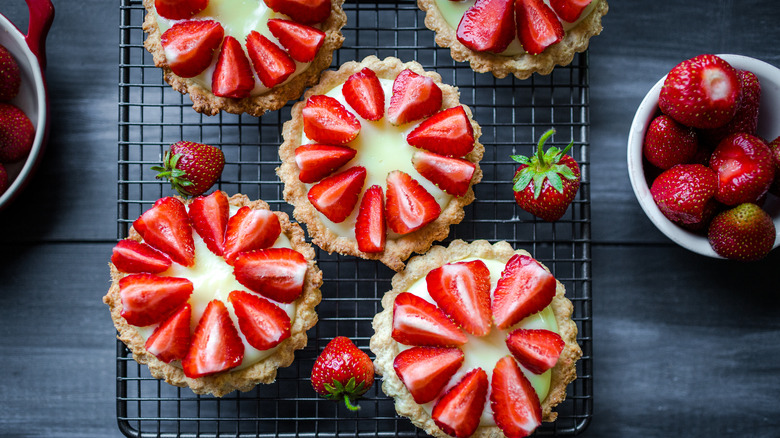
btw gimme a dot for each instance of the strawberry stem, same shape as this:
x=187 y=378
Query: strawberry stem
x=348 y=402
x=540 y=147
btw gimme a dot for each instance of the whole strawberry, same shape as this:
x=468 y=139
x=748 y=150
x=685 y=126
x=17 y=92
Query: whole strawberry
x=546 y=183
x=702 y=92
x=668 y=143
x=191 y=168
x=685 y=194
x=746 y=117
x=745 y=169
x=10 y=76
x=745 y=232
x=16 y=133
x=342 y=371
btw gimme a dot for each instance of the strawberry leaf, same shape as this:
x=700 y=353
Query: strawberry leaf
x=522 y=179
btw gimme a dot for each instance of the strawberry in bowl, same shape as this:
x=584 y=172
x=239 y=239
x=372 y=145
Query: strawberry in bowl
x=379 y=160
x=242 y=56
x=698 y=147
x=213 y=293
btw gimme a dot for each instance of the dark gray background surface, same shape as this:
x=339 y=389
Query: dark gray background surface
x=683 y=345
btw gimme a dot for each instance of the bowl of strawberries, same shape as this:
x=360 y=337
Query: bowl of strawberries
x=704 y=156
x=23 y=99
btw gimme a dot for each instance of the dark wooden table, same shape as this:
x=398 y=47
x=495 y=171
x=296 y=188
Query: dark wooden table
x=683 y=345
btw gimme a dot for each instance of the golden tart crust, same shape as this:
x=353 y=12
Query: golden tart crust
x=204 y=101
x=295 y=192
x=522 y=65
x=386 y=348
x=263 y=371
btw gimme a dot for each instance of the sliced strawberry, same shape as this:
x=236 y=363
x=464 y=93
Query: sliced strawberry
x=337 y=195
x=414 y=97
x=272 y=64
x=364 y=93
x=275 y=273
x=447 y=132
x=179 y=9
x=233 y=75
x=462 y=291
x=317 y=161
x=537 y=26
x=134 y=257
x=524 y=288
x=453 y=175
x=474 y=33
x=515 y=405
x=264 y=324
x=216 y=345
x=371 y=226
x=325 y=120
x=166 y=227
x=302 y=11
x=209 y=215
x=301 y=41
x=418 y=322
x=537 y=350
x=425 y=371
x=171 y=340
x=250 y=229
x=409 y=206
x=458 y=412
x=569 y=10
x=189 y=45
x=148 y=299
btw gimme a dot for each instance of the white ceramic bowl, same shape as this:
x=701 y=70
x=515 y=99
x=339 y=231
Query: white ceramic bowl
x=28 y=51
x=768 y=128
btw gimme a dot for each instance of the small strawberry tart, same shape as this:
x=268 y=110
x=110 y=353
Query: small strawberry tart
x=379 y=160
x=242 y=56
x=214 y=293
x=518 y=37
x=476 y=340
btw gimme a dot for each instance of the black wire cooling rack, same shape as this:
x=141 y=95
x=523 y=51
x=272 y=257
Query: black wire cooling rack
x=513 y=115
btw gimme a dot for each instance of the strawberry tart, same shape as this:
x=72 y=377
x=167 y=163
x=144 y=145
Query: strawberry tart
x=214 y=293
x=519 y=37
x=242 y=56
x=379 y=160
x=476 y=340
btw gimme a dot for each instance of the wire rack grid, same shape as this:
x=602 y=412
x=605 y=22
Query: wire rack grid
x=512 y=114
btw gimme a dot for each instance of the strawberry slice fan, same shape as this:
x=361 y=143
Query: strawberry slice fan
x=211 y=299
x=241 y=56
x=485 y=335
x=382 y=163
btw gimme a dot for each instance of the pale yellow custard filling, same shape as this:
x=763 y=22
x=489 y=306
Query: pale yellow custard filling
x=453 y=11
x=212 y=278
x=238 y=18
x=486 y=351
x=381 y=148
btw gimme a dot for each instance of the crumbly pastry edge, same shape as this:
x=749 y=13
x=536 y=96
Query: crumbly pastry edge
x=263 y=371
x=525 y=64
x=204 y=101
x=386 y=349
x=396 y=250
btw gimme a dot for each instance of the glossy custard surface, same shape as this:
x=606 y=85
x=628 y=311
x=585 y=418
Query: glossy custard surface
x=485 y=351
x=213 y=278
x=381 y=148
x=238 y=18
